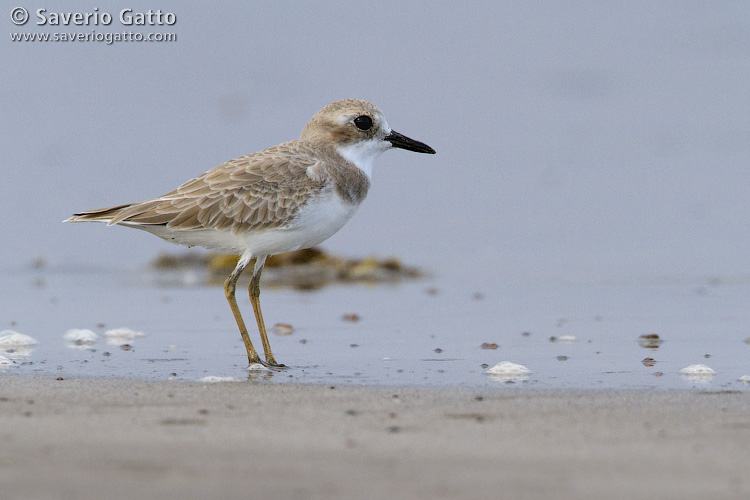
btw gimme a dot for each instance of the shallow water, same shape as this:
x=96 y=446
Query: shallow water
x=425 y=332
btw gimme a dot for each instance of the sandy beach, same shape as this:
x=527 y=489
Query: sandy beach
x=94 y=438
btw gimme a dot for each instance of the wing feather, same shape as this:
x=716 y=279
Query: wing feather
x=264 y=189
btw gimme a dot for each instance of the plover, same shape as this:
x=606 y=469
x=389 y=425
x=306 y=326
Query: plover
x=287 y=197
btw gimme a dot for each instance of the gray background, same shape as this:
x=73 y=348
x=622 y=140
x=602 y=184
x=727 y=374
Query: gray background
x=583 y=140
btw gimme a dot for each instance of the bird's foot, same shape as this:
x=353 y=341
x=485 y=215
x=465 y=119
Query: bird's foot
x=271 y=365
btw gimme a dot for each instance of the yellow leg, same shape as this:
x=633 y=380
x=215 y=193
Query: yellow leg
x=255 y=301
x=229 y=286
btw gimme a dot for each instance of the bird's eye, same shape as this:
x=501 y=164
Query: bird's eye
x=363 y=122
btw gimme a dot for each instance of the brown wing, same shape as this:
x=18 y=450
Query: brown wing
x=264 y=189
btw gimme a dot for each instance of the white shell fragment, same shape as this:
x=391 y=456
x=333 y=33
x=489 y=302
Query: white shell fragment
x=508 y=372
x=282 y=329
x=212 y=379
x=506 y=368
x=10 y=338
x=120 y=336
x=745 y=379
x=567 y=338
x=80 y=337
x=257 y=367
x=698 y=371
x=5 y=362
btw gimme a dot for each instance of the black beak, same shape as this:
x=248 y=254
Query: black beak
x=403 y=142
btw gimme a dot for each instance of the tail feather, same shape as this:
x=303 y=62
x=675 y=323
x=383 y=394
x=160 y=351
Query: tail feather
x=101 y=214
x=143 y=213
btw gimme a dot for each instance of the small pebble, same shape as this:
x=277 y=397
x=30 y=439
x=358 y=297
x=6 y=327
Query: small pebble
x=282 y=329
x=649 y=341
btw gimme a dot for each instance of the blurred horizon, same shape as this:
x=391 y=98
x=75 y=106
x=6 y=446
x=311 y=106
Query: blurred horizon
x=576 y=140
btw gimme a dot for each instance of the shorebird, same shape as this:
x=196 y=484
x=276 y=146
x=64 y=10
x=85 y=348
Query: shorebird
x=290 y=196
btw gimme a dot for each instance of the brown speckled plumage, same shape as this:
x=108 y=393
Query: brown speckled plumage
x=265 y=189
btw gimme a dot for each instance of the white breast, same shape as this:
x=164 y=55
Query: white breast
x=320 y=219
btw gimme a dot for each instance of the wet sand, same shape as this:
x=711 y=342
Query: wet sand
x=93 y=438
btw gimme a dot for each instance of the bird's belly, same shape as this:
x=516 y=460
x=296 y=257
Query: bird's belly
x=317 y=222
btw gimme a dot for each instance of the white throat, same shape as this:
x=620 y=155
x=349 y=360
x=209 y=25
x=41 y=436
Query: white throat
x=363 y=153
